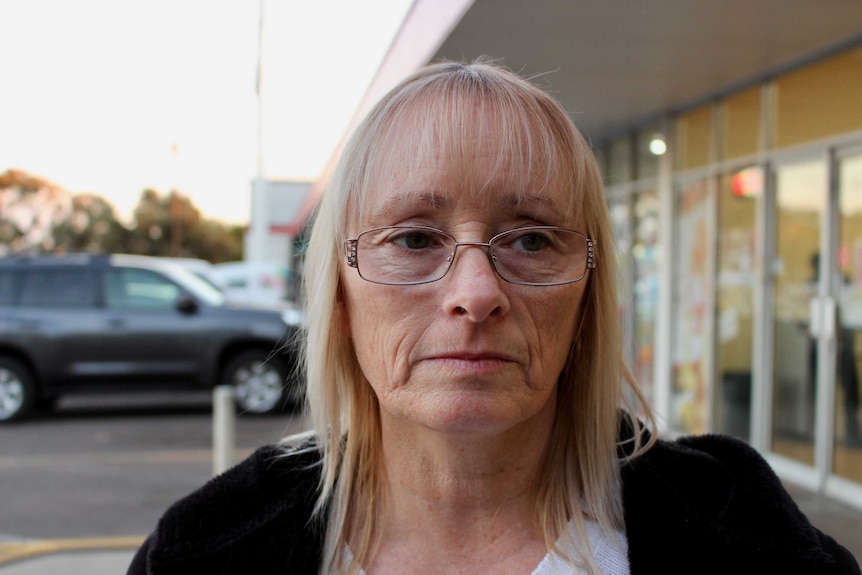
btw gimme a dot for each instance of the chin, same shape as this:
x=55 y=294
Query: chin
x=476 y=418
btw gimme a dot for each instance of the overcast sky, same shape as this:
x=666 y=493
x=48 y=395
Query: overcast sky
x=112 y=96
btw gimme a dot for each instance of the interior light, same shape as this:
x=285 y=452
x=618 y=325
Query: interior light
x=657 y=145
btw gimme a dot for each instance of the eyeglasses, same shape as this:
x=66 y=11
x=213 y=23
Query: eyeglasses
x=536 y=255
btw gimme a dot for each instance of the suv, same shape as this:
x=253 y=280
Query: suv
x=108 y=323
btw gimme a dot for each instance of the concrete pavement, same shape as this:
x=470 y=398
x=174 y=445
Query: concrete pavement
x=91 y=556
x=105 y=562
x=843 y=523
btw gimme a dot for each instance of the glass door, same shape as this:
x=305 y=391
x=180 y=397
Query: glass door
x=801 y=199
x=847 y=292
x=740 y=194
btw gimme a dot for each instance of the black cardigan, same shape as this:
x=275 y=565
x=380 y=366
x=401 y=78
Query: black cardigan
x=706 y=505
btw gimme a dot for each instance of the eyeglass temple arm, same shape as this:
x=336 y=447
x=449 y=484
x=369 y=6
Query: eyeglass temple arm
x=591 y=254
x=350 y=252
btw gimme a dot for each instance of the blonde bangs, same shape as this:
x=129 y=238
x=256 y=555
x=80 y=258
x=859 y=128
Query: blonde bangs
x=453 y=117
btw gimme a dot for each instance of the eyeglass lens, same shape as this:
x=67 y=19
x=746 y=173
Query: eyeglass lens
x=411 y=255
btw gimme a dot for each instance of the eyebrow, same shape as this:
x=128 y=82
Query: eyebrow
x=423 y=198
x=517 y=200
x=439 y=201
x=395 y=204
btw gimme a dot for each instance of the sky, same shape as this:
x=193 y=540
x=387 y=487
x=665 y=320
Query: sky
x=114 y=96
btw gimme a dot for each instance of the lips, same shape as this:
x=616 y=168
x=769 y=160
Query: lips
x=474 y=356
x=470 y=359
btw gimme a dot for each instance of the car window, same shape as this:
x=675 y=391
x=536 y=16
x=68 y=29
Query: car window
x=132 y=288
x=202 y=289
x=59 y=288
x=7 y=293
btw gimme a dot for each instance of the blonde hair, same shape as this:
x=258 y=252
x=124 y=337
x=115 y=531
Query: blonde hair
x=439 y=110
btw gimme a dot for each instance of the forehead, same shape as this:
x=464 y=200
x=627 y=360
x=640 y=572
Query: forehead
x=481 y=182
x=487 y=163
x=500 y=149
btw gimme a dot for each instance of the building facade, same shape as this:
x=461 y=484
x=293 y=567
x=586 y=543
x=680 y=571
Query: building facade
x=271 y=238
x=730 y=134
x=741 y=252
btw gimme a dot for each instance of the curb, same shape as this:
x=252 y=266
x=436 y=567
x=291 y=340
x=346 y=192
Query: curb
x=11 y=552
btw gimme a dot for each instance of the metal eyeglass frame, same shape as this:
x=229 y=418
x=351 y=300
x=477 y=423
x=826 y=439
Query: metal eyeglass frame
x=350 y=252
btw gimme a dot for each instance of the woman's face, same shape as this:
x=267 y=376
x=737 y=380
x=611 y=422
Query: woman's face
x=469 y=353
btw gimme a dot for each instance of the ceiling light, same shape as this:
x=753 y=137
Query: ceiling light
x=657 y=145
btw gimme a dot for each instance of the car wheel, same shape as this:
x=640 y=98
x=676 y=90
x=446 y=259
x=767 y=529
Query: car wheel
x=260 y=382
x=17 y=390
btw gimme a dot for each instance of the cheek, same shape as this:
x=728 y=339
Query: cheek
x=384 y=329
x=556 y=323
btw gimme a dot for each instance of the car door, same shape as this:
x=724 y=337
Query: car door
x=57 y=321
x=150 y=340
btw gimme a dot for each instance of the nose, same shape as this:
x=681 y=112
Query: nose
x=473 y=289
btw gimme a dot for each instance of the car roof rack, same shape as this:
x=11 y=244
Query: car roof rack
x=48 y=259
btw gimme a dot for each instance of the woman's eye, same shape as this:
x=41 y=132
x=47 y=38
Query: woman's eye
x=414 y=240
x=531 y=242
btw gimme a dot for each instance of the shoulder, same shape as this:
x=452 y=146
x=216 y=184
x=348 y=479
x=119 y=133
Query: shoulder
x=711 y=456
x=271 y=481
x=718 y=499
x=256 y=517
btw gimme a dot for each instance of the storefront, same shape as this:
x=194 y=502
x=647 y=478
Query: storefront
x=741 y=246
x=731 y=140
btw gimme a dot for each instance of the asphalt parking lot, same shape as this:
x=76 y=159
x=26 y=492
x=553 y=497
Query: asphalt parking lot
x=100 y=471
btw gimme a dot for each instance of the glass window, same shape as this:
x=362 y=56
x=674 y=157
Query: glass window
x=203 y=288
x=646 y=257
x=647 y=160
x=131 y=288
x=59 y=288
x=621 y=219
x=7 y=288
x=691 y=299
x=820 y=100
x=848 y=437
x=693 y=137
x=620 y=162
x=741 y=124
x=739 y=193
x=801 y=196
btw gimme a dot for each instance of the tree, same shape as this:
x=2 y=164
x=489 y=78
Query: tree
x=172 y=226
x=92 y=226
x=39 y=216
x=30 y=207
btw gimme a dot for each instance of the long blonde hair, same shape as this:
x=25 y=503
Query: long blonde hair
x=437 y=107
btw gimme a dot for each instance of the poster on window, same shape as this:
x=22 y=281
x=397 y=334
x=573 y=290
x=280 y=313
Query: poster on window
x=692 y=288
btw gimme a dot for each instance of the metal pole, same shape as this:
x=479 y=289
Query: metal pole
x=224 y=428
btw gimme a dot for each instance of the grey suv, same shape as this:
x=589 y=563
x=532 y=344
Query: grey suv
x=91 y=324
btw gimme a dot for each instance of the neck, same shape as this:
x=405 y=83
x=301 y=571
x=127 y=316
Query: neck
x=462 y=484
x=461 y=503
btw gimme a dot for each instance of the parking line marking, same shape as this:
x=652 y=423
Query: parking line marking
x=19 y=550
x=164 y=456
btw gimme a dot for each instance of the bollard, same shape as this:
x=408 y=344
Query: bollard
x=224 y=427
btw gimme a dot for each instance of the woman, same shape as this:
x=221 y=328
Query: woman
x=466 y=382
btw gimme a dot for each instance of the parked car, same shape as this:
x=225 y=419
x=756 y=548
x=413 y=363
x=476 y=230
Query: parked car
x=257 y=282
x=92 y=324
x=201 y=268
